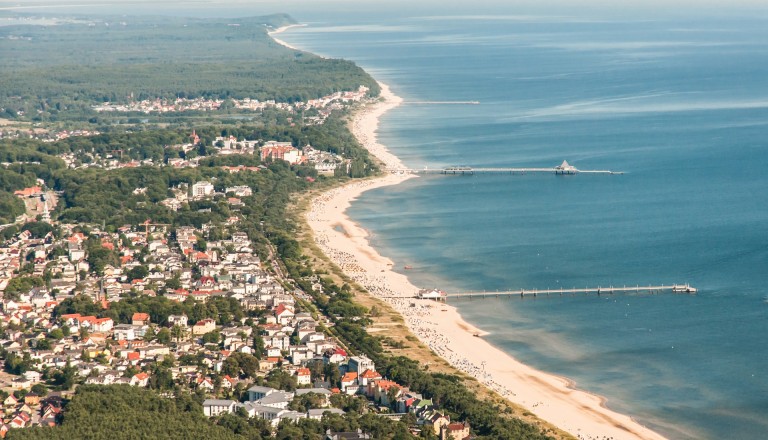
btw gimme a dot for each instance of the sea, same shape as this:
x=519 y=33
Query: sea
x=674 y=95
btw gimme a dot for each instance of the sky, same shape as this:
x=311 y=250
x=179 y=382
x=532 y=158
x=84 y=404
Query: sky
x=634 y=9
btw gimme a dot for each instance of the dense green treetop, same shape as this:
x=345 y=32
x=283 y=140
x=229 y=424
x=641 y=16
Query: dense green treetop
x=51 y=71
x=124 y=412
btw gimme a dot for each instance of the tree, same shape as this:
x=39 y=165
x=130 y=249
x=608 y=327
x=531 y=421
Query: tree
x=138 y=272
x=19 y=285
x=173 y=283
x=43 y=344
x=81 y=304
x=240 y=365
x=281 y=380
x=212 y=337
x=150 y=334
x=65 y=378
x=99 y=257
x=17 y=365
x=56 y=334
x=161 y=379
x=37 y=229
x=164 y=336
x=258 y=344
x=306 y=402
x=178 y=332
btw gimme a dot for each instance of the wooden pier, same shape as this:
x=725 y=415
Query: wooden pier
x=675 y=288
x=564 y=168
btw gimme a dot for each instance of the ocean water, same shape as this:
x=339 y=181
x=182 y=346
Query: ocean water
x=678 y=102
x=676 y=98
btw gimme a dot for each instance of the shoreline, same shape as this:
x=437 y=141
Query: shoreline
x=282 y=29
x=438 y=325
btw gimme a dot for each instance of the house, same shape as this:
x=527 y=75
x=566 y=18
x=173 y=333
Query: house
x=368 y=376
x=133 y=357
x=272 y=351
x=239 y=191
x=21 y=383
x=382 y=390
x=407 y=400
x=32 y=399
x=75 y=320
x=33 y=375
x=359 y=364
x=32 y=191
x=317 y=414
x=202 y=189
x=177 y=320
x=303 y=376
x=268 y=413
x=284 y=314
x=257 y=392
x=334 y=356
x=124 y=332
x=283 y=151
x=10 y=400
x=349 y=383
x=435 y=420
x=140 y=319
x=455 y=431
x=277 y=399
x=357 y=435
x=205 y=383
x=228 y=382
x=20 y=420
x=204 y=326
x=268 y=364
x=214 y=407
x=140 y=380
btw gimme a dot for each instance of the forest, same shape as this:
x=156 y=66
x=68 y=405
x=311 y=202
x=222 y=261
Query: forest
x=58 y=72
x=124 y=412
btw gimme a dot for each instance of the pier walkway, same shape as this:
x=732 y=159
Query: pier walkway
x=676 y=288
x=439 y=295
x=564 y=168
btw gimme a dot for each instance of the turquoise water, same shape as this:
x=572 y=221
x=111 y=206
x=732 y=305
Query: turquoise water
x=677 y=99
x=680 y=104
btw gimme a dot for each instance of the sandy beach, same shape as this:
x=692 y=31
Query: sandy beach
x=440 y=326
x=282 y=29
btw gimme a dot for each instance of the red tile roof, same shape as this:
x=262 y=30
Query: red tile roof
x=140 y=317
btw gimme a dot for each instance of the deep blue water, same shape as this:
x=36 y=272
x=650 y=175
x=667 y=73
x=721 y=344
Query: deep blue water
x=678 y=99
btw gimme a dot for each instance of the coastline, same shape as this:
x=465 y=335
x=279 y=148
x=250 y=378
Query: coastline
x=282 y=29
x=440 y=326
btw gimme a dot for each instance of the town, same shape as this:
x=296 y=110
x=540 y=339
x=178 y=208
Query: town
x=168 y=308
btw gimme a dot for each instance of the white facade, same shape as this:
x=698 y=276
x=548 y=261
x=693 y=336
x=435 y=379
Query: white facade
x=214 y=407
x=202 y=189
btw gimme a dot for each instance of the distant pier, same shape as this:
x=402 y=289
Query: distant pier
x=442 y=102
x=564 y=168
